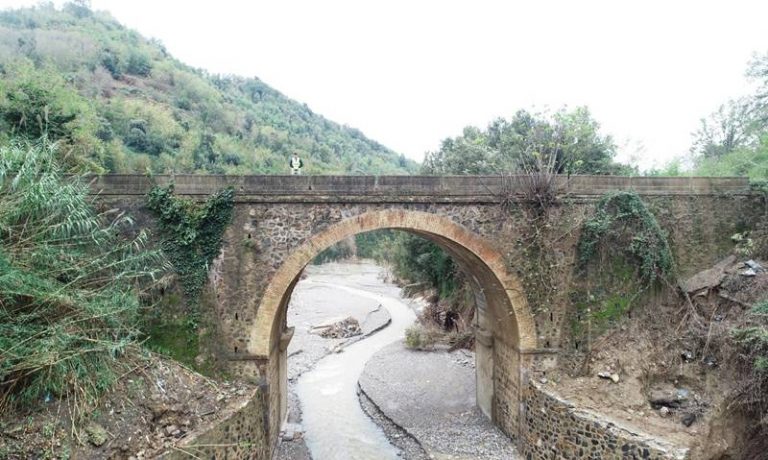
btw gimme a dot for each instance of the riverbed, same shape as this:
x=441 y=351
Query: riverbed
x=323 y=383
x=326 y=421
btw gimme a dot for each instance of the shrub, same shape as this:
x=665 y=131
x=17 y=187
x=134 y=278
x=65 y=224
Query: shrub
x=69 y=285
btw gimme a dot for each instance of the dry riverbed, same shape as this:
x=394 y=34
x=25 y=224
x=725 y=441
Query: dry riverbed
x=423 y=402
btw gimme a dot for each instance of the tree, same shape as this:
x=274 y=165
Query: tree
x=730 y=127
x=734 y=139
x=567 y=141
x=758 y=72
x=37 y=102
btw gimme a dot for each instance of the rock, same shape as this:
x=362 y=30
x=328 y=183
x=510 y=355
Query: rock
x=609 y=376
x=170 y=429
x=543 y=380
x=664 y=411
x=668 y=396
x=687 y=356
x=291 y=431
x=97 y=435
x=688 y=419
x=754 y=266
x=709 y=278
x=748 y=272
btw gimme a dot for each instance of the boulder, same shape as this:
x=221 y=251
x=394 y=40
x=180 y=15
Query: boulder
x=709 y=278
x=666 y=395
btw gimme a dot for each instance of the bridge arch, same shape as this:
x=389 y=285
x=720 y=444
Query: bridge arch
x=504 y=322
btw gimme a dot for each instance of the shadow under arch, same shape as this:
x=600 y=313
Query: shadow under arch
x=506 y=318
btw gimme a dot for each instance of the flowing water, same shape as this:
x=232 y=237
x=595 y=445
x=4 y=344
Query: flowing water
x=335 y=426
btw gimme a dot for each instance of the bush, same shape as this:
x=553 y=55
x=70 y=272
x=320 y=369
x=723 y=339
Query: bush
x=69 y=285
x=139 y=64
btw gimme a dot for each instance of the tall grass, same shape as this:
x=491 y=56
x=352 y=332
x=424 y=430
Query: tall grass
x=70 y=284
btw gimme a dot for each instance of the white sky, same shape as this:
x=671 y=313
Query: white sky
x=411 y=73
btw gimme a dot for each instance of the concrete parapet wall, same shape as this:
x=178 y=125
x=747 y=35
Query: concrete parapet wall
x=554 y=429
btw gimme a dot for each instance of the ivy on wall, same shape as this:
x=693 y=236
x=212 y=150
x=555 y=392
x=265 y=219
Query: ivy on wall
x=192 y=231
x=623 y=219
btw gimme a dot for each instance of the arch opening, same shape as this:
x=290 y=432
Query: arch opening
x=504 y=324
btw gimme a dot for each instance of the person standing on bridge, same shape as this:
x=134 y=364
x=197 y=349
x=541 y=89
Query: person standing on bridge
x=296 y=164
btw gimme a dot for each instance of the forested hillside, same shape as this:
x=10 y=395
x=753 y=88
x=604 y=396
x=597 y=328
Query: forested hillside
x=118 y=102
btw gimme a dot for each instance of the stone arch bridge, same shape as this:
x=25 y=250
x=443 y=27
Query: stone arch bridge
x=281 y=223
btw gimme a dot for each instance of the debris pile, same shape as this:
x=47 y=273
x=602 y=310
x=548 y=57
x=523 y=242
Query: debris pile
x=347 y=327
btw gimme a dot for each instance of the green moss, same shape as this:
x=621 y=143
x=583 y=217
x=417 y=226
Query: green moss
x=611 y=309
x=618 y=287
x=179 y=340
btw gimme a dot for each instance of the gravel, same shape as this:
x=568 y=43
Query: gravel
x=431 y=395
x=408 y=445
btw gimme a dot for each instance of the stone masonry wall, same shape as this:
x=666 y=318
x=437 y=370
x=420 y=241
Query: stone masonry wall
x=506 y=390
x=554 y=429
x=241 y=434
x=275 y=216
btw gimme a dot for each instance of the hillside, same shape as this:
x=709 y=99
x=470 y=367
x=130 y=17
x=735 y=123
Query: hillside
x=118 y=102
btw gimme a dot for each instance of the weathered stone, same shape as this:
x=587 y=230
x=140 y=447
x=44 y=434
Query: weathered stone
x=709 y=278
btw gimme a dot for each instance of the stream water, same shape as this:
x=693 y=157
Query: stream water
x=335 y=426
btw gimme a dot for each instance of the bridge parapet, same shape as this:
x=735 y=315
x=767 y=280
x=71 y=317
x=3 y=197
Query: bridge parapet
x=418 y=188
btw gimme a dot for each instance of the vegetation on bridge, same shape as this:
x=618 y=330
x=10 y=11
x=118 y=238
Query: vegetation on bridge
x=622 y=222
x=192 y=233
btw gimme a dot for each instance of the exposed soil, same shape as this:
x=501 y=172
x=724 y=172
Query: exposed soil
x=657 y=357
x=149 y=410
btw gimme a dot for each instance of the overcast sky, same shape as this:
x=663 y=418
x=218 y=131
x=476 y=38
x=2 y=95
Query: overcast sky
x=411 y=73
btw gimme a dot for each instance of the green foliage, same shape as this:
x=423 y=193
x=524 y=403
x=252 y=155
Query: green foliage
x=413 y=338
x=178 y=339
x=623 y=223
x=569 y=140
x=417 y=259
x=760 y=308
x=69 y=284
x=38 y=102
x=754 y=338
x=340 y=251
x=193 y=233
x=374 y=245
x=124 y=105
x=418 y=337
